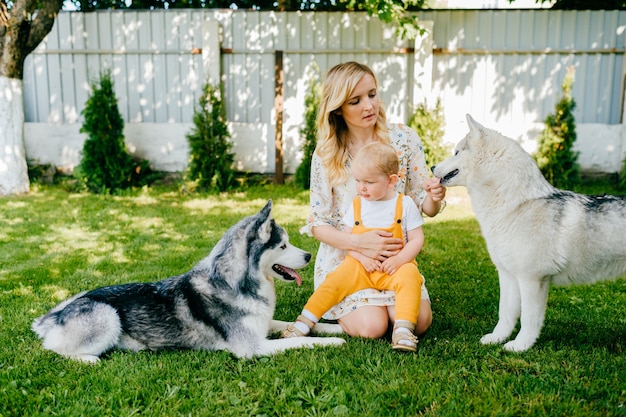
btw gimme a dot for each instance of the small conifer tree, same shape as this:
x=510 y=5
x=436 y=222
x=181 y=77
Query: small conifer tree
x=211 y=162
x=622 y=177
x=429 y=126
x=555 y=155
x=106 y=164
x=302 y=176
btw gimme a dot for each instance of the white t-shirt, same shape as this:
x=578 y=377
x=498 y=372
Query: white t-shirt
x=381 y=214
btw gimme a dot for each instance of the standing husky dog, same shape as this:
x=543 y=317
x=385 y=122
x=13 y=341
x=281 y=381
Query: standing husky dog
x=535 y=234
x=226 y=302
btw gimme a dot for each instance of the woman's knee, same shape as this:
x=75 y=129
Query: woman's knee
x=425 y=318
x=369 y=321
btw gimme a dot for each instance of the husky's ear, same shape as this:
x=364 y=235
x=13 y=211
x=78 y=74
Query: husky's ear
x=473 y=124
x=265 y=221
x=476 y=129
x=265 y=211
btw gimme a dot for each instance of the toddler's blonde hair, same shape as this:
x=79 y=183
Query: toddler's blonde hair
x=379 y=156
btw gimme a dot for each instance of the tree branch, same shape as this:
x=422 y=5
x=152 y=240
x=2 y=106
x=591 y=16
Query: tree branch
x=4 y=15
x=42 y=23
x=4 y=22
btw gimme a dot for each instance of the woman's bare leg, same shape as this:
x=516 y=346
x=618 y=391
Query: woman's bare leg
x=373 y=321
x=424 y=320
x=366 y=321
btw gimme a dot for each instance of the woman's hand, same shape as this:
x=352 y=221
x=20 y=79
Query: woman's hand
x=378 y=244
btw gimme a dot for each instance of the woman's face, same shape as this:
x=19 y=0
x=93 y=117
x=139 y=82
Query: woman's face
x=361 y=108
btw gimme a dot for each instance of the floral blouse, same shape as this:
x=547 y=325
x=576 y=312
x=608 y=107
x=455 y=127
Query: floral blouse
x=328 y=205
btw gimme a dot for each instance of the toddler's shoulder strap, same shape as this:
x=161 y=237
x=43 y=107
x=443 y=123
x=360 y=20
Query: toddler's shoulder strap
x=398 y=218
x=356 y=205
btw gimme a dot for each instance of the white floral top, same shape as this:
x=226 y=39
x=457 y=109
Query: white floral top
x=329 y=203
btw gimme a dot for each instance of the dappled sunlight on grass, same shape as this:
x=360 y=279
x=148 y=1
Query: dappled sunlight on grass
x=210 y=205
x=73 y=237
x=140 y=200
x=55 y=292
x=290 y=211
x=151 y=247
x=112 y=255
x=13 y=222
x=204 y=205
x=22 y=291
x=17 y=204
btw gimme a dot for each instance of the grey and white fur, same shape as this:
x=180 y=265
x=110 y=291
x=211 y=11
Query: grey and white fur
x=536 y=234
x=226 y=302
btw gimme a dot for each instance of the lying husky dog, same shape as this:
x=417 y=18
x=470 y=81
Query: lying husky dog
x=535 y=234
x=226 y=302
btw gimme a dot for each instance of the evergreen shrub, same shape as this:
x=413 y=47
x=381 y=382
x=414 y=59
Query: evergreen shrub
x=622 y=177
x=106 y=164
x=555 y=155
x=211 y=162
x=429 y=125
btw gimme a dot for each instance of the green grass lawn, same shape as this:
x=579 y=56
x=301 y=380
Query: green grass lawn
x=54 y=244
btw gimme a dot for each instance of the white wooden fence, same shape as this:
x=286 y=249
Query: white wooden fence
x=503 y=67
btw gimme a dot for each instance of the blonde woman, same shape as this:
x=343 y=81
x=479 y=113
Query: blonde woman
x=351 y=116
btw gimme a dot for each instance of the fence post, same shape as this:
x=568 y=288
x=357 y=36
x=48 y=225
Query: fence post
x=278 y=108
x=623 y=114
x=211 y=54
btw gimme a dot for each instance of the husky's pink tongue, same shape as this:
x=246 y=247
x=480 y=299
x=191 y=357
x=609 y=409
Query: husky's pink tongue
x=288 y=273
x=294 y=274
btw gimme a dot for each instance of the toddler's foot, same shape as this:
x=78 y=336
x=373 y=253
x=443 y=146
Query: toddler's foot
x=404 y=340
x=300 y=328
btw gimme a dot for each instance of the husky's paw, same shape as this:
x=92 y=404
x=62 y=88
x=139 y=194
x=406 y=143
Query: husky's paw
x=517 y=346
x=88 y=359
x=328 y=341
x=492 y=339
x=326 y=328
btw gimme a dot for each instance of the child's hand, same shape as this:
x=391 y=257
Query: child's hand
x=391 y=265
x=368 y=263
x=435 y=190
x=371 y=265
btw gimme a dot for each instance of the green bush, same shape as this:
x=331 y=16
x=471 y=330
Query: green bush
x=622 y=177
x=211 y=162
x=429 y=126
x=302 y=176
x=106 y=164
x=555 y=155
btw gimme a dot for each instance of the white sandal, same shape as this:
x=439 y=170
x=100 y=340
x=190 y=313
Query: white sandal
x=404 y=340
x=292 y=331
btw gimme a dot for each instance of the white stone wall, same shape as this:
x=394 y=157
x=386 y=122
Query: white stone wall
x=602 y=147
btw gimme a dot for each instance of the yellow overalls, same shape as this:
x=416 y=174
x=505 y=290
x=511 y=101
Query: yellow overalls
x=350 y=277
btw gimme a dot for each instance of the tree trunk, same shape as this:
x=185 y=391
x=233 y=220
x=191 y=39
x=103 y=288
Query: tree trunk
x=22 y=28
x=13 y=168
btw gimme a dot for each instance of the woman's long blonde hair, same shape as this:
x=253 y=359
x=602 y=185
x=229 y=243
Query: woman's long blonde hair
x=332 y=131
